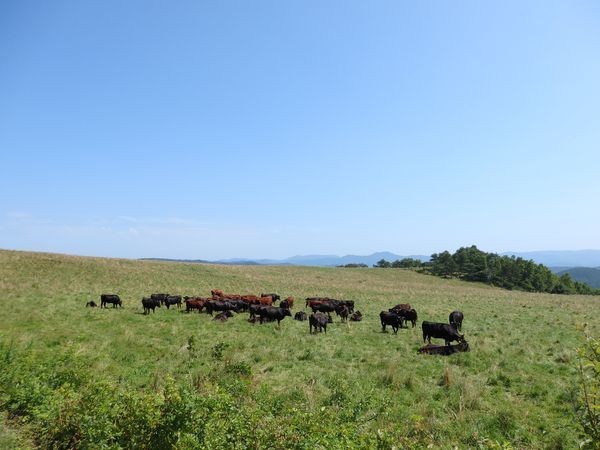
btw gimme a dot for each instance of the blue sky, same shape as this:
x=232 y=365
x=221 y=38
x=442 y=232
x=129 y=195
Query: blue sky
x=266 y=129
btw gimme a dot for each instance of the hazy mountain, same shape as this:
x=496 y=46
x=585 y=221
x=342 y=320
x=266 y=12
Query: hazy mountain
x=327 y=260
x=562 y=258
x=587 y=275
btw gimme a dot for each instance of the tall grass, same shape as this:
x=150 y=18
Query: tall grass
x=75 y=376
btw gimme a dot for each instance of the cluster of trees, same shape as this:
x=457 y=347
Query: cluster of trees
x=405 y=263
x=509 y=272
x=353 y=265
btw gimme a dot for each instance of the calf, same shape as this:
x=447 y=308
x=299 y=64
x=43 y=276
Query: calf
x=110 y=298
x=392 y=319
x=443 y=331
x=456 y=318
x=150 y=304
x=301 y=316
x=91 y=304
x=272 y=313
x=318 y=322
x=223 y=316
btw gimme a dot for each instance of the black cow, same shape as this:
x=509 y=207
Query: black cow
x=223 y=316
x=447 y=332
x=343 y=312
x=392 y=319
x=456 y=318
x=271 y=313
x=110 y=298
x=150 y=304
x=318 y=321
x=254 y=311
x=431 y=349
x=160 y=297
x=409 y=315
x=356 y=316
x=91 y=304
x=285 y=304
x=275 y=297
x=300 y=315
x=217 y=305
x=326 y=307
x=172 y=300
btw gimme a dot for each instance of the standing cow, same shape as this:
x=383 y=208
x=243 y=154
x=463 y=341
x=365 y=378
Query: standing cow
x=456 y=318
x=443 y=331
x=110 y=298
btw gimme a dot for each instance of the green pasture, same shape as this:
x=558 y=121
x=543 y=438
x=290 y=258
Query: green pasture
x=517 y=387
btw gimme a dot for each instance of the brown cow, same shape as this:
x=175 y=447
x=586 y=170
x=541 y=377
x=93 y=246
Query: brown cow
x=216 y=293
x=195 y=303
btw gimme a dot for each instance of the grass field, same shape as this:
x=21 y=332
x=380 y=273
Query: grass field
x=353 y=387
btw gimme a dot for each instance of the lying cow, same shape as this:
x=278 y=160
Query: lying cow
x=444 y=331
x=356 y=316
x=300 y=315
x=91 y=304
x=223 y=316
x=391 y=318
x=318 y=322
x=110 y=298
x=456 y=318
x=431 y=349
x=150 y=304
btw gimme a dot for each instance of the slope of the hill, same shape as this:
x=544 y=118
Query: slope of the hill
x=517 y=385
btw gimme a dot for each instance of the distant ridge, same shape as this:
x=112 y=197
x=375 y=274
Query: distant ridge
x=587 y=275
x=305 y=260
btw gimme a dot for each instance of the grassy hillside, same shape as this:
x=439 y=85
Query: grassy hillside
x=279 y=386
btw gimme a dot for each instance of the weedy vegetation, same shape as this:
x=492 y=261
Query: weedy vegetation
x=77 y=377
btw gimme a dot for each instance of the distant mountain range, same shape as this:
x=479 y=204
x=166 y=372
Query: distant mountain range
x=307 y=260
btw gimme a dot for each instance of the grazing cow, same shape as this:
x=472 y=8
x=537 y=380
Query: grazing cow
x=356 y=316
x=271 y=313
x=447 y=332
x=318 y=321
x=172 y=300
x=150 y=304
x=300 y=315
x=347 y=303
x=392 y=319
x=456 y=318
x=431 y=349
x=159 y=297
x=274 y=296
x=91 y=304
x=110 y=298
x=342 y=311
x=195 y=303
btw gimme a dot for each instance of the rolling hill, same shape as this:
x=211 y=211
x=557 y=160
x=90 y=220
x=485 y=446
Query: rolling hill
x=120 y=379
x=588 y=275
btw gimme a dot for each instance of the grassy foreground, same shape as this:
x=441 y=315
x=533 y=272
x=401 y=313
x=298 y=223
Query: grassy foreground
x=72 y=376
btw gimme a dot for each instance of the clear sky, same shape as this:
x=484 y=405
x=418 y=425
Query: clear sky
x=265 y=129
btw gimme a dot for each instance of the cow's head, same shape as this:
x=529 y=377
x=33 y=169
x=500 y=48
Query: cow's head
x=286 y=312
x=461 y=338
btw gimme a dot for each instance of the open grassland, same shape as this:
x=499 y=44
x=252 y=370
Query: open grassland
x=283 y=388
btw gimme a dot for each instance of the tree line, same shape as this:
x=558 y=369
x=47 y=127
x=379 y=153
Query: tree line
x=509 y=272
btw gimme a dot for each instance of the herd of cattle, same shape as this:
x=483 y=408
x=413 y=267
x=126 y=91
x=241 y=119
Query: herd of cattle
x=262 y=309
